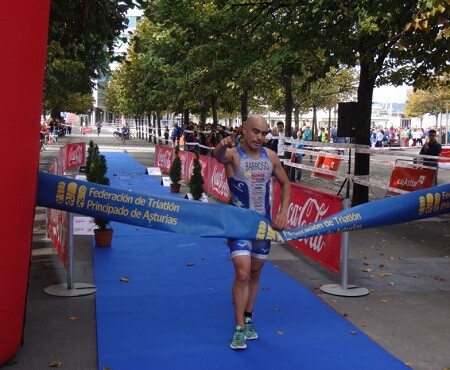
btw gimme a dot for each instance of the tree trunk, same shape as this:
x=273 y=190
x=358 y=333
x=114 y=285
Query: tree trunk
x=203 y=113
x=186 y=116
x=362 y=134
x=214 y=110
x=288 y=104
x=244 y=105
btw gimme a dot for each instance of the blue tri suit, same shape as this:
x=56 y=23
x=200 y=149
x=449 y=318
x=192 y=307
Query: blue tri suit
x=250 y=188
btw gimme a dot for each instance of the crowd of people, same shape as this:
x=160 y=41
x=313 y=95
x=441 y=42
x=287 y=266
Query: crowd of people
x=51 y=129
x=404 y=137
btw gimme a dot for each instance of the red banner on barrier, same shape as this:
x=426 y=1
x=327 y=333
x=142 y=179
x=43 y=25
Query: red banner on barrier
x=203 y=162
x=75 y=155
x=327 y=163
x=308 y=206
x=70 y=156
x=163 y=158
x=218 y=181
x=411 y=178
x=445 y=155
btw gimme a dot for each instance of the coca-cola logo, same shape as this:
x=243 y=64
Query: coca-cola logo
x=202 y=164
x=164 y=159
x=301 y=215
x=75 y=156
x=219 y=181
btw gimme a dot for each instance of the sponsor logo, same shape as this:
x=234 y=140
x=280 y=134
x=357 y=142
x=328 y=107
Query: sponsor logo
x=219 y=182
x=310 y=212
x=71 y=194
x=412 y=183
x=163 y=159
x=266 y=232
x=429 y=203
x=75 y=157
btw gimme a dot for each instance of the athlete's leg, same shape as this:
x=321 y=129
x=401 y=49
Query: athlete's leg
x=240 y=288
x=259 y=253
x=253 y=284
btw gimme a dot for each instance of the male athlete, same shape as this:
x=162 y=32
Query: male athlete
x=249 y=169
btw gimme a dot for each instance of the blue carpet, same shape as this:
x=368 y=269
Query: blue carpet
x=175 y=312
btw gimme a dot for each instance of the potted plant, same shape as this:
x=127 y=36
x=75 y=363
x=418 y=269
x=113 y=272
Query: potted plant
x=196 y=182
x=175 y=172
x=96 y=169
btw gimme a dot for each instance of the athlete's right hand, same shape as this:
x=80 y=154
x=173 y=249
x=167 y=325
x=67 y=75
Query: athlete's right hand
x=228 y=141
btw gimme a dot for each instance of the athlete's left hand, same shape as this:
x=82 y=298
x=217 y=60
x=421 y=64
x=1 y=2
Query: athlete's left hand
x=279 y=222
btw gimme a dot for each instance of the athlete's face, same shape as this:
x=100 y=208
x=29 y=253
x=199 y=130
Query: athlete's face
x=255 y=132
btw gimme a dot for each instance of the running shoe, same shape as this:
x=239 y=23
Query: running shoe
x=250 y=332
x=238 y=341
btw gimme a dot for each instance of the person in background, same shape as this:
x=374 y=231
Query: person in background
x=249 y=168
x=431 y=147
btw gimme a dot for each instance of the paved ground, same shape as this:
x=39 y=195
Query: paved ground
x=405 y=267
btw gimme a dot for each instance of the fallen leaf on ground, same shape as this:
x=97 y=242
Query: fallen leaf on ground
x=384 y=274
x=384 y=300
x=280 y=332
x=353 y=332
x=124 y=279
x=367 y=270
x=190 y=264
x=438 y=278
x=54 y=364
x=73 y=318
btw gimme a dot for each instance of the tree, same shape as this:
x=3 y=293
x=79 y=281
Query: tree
x=82 y=36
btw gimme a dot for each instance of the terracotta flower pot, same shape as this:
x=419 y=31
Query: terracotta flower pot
x=103 y=238
x=175 y=188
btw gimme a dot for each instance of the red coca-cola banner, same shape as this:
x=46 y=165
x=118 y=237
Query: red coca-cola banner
x=411 y=178
x=308 y=206
x=204 y=162
x=327 y=163
x=75 y=154
x=218 y=181
x=163 y=158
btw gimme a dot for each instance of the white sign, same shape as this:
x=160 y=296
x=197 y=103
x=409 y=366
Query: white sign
x=154 y=171
x=83 y=225
x=166 y=181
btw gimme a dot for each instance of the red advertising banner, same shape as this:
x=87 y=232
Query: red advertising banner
x=218 y=181
x=204 y=161
x=70 y=156
x=75 y=155
x=411 y=178
x=445 y=155
x=327 y=163
x=163 y=158
x=308 y=206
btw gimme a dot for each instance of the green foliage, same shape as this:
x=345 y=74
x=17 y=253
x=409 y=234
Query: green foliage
x=196 y=182
x=96 y=169
x=175 y=168
x=81 y=39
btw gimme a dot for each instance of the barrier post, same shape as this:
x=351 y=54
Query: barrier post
x=344 y=289
x=70 y=289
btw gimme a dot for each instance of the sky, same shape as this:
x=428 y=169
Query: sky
x=390 y=94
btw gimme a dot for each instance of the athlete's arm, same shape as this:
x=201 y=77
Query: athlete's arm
x=221 y=152
x=280 y=220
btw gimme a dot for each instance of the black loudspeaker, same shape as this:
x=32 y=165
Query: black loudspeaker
x=346 y=125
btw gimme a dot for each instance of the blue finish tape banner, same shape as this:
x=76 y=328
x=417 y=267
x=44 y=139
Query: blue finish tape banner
x=218 y=220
